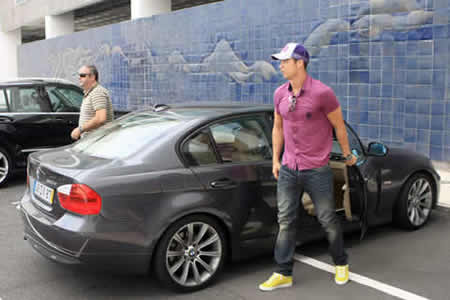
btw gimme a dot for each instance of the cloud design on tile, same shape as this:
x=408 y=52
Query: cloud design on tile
x=372 y=21
x=323 y=34
x=372 y=25
x=225 y=61
x=377 y=7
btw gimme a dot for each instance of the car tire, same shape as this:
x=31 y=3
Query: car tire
x=413 y=208
x=6 y=166
x=187 y=262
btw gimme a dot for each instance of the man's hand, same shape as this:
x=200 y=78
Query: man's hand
x=352 y=161
x=276 y=169
x=75 y=135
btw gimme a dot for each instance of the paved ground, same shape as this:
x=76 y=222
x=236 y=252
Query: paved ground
x=417 y=262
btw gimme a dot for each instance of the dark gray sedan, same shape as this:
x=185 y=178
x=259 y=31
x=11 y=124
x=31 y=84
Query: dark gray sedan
x=176 y=191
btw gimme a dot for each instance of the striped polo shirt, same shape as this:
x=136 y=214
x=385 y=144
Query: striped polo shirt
x=95 y=99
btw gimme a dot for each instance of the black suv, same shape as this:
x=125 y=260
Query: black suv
x=35 y=114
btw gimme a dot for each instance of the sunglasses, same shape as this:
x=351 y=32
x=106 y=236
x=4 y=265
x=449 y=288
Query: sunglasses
x=82 y=75
x=292 y=103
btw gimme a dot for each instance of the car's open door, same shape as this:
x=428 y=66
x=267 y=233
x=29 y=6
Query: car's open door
x=357 y=181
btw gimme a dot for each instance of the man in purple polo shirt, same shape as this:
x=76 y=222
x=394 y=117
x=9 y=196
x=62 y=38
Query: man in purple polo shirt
x=306 y=111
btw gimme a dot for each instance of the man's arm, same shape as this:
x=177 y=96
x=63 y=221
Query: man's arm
x=98 y=120
x=337 y=121
x=277 y=143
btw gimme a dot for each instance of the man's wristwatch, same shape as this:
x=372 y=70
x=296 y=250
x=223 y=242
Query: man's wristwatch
x=80 y=128
x=348 y=157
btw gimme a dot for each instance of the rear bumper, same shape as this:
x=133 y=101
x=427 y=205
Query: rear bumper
x=74 y=239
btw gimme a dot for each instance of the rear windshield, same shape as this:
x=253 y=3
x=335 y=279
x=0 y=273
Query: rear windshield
x=126 y=135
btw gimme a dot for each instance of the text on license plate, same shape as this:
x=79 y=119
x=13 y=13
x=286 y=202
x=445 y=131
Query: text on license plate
x=43 y=192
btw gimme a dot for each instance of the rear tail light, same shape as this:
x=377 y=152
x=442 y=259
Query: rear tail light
x=80 y=199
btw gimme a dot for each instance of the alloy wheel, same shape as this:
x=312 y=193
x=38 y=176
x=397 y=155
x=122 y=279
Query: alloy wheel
x=420 y=198
x=4 y=167
x=194 y=254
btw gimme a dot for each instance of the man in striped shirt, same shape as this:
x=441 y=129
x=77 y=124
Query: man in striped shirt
x=96 y=108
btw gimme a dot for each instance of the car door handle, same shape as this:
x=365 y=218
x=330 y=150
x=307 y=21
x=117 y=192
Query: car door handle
x=222 y=183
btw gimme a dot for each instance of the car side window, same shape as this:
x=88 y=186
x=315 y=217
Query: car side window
x=3 y=104
x=198 y=150
x=75 y=97
x=60 y=101
x=353 y=142
x=26 y=100
x=242 y=140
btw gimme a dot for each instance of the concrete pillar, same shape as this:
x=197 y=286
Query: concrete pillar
x=8 y=53
x=59 y=25
x=147 y=8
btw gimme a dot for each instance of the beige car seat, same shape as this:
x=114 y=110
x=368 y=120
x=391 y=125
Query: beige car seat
x=246 y=143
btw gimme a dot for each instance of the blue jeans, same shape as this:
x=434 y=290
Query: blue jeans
x=318 y=183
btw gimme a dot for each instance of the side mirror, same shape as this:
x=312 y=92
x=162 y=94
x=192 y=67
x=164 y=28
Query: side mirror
x=377 y=149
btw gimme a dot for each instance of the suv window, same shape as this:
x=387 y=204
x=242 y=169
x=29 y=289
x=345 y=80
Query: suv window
x=3 y=105
x=242 y=140
x=64 y=99
x=74 y=96
x=26 y=99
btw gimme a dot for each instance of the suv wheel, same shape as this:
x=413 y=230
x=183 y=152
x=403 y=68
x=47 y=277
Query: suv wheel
x=5 y=166
x=191 y=253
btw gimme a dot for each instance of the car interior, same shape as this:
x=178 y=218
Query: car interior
x=341 y=191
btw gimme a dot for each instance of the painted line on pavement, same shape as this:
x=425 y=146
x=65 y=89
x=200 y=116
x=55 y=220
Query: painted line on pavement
x=385 y=288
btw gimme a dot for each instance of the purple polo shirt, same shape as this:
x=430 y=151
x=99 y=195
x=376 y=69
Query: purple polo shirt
x=308 y=134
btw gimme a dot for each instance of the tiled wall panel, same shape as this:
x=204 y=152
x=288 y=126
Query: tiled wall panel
x=387 y=61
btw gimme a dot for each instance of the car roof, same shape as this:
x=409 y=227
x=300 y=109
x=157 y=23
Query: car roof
x=34 y=80
x=204 y=111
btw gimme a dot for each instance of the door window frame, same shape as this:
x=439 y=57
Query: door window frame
x=260 y=117
x=5 y=96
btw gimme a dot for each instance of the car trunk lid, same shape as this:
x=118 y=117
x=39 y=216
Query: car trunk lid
x=48 y=170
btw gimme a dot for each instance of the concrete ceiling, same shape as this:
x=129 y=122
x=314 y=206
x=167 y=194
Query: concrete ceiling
x=100 y=14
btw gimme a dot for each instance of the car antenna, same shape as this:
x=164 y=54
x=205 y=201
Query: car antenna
x=160 y=107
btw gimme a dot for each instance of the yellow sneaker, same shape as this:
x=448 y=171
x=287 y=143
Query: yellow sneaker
x=341 y=275
x=276 y=281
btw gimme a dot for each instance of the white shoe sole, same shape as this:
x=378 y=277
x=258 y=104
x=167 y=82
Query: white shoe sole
x=265 y=289
x=340 y=282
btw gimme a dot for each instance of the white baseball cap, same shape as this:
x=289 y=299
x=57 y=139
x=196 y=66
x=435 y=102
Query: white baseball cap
x=292 y=50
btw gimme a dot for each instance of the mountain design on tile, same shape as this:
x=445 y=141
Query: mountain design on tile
x=223 y=60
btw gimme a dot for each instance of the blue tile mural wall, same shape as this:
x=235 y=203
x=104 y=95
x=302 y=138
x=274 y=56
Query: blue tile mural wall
x=387 y=60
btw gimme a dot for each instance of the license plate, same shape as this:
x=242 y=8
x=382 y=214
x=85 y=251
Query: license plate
x=43 y=192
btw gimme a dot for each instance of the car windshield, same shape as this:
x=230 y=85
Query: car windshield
x=126 y=135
